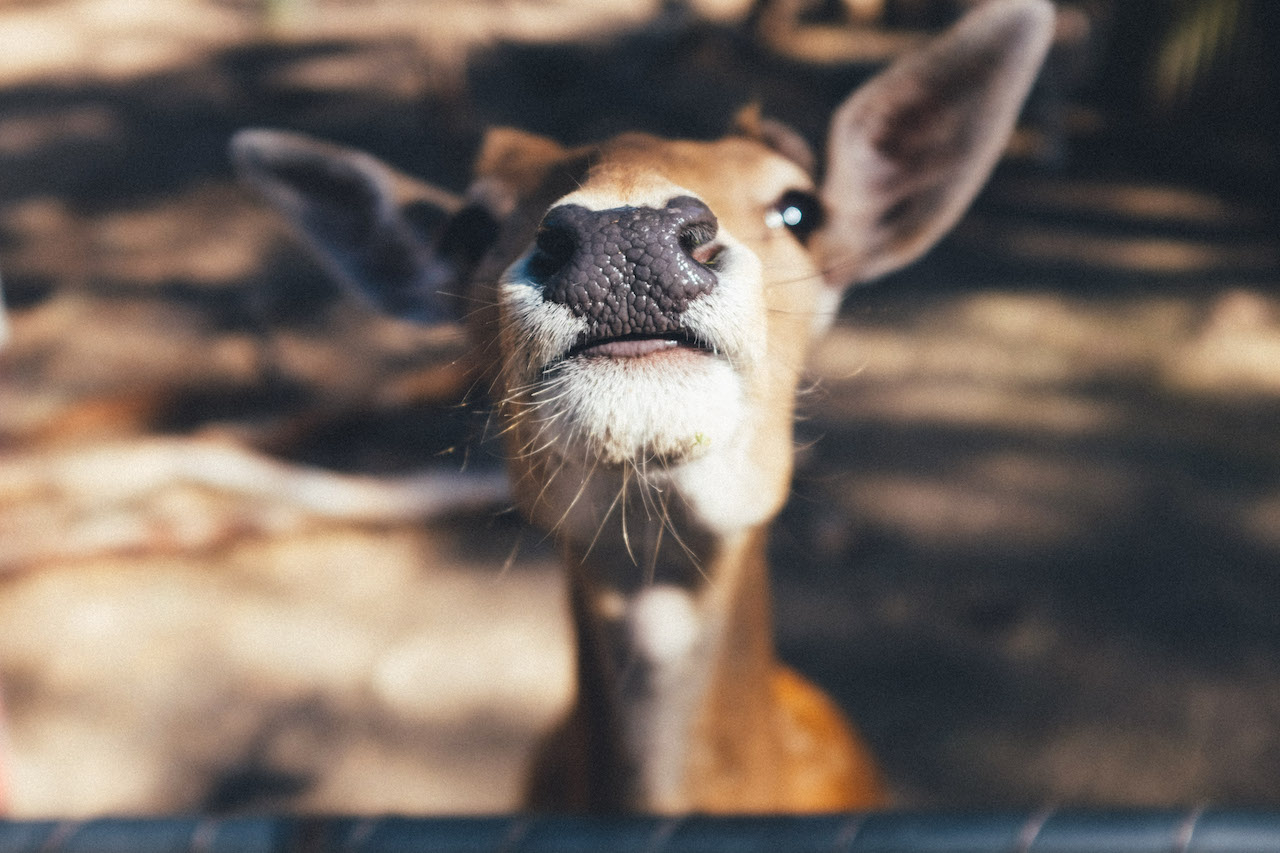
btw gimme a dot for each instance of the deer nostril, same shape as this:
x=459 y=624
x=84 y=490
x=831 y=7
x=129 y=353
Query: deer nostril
x=695 y=234
x=554 y=246
x=695 y=238
x=695 y=229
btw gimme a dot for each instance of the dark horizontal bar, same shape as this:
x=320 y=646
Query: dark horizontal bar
x=1199 y=831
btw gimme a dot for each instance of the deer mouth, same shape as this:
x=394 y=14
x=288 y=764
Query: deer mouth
x=637 y=345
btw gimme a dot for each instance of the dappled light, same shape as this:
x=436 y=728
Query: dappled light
x=1147 y=203
x=1035 y=530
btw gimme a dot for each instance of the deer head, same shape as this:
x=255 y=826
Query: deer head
x=641 y=310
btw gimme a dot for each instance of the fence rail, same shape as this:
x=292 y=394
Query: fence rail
x=1198 y=831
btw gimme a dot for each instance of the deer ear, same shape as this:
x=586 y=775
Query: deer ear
x=376 y=230
x=4 y=320
x=908 y=151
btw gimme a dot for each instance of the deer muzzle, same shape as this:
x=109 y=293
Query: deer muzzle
x=629 y=272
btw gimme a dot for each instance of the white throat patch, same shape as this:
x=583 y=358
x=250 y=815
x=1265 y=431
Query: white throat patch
x=665 y=668
x=663 y=625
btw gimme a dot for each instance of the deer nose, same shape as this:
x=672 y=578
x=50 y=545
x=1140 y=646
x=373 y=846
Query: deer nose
x=626 y=270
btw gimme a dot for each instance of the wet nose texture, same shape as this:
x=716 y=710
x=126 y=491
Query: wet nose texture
x=628 y=270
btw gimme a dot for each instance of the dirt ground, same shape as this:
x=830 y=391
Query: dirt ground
x=1036 y=526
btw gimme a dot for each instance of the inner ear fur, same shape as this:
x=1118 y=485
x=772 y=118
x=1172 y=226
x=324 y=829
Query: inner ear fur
x=908 y=151
x=373 y=227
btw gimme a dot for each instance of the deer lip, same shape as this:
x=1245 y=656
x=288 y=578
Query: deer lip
x=634 y=346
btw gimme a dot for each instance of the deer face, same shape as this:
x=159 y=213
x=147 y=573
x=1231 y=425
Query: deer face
x=645 y=305
x=657 y=315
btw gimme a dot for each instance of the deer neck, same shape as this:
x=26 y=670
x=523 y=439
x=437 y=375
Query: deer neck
x=674 y=639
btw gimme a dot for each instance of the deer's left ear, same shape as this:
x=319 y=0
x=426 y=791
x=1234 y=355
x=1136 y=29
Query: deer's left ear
x=376 y=230
x=908 y=151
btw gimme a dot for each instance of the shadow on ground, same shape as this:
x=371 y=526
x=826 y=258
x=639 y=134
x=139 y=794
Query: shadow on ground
x=1032 y=547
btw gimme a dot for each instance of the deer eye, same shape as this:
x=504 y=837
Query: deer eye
x=799 y=211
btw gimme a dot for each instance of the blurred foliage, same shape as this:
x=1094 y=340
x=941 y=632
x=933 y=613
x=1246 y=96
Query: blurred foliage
x=1192 y=86
x=1210 y=42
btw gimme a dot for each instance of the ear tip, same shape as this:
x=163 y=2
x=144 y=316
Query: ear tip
x=1030 y=19
x=257 y=138
x=254 y=149
x=1024 y=27
x=247 y=147
x=1040 y=15
x=249 y=138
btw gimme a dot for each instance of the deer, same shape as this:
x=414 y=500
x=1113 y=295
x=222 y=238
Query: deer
x=640 y=311
x=4 y=740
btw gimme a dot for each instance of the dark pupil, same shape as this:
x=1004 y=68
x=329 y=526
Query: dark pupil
x=801 y=213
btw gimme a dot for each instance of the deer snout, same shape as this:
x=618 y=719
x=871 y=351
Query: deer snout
x=629 y=272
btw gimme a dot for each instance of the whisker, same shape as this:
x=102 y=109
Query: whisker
x=510 y=561
x=603 y=521
x=622 y=496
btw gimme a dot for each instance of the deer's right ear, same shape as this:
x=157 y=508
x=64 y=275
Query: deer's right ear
x=908 y=151
x=377 y=231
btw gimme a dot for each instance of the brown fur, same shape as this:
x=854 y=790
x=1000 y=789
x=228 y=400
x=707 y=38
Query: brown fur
x=768 y=741
x=681 y=704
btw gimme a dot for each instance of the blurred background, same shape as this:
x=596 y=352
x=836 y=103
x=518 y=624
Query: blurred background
x=1034 y=540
